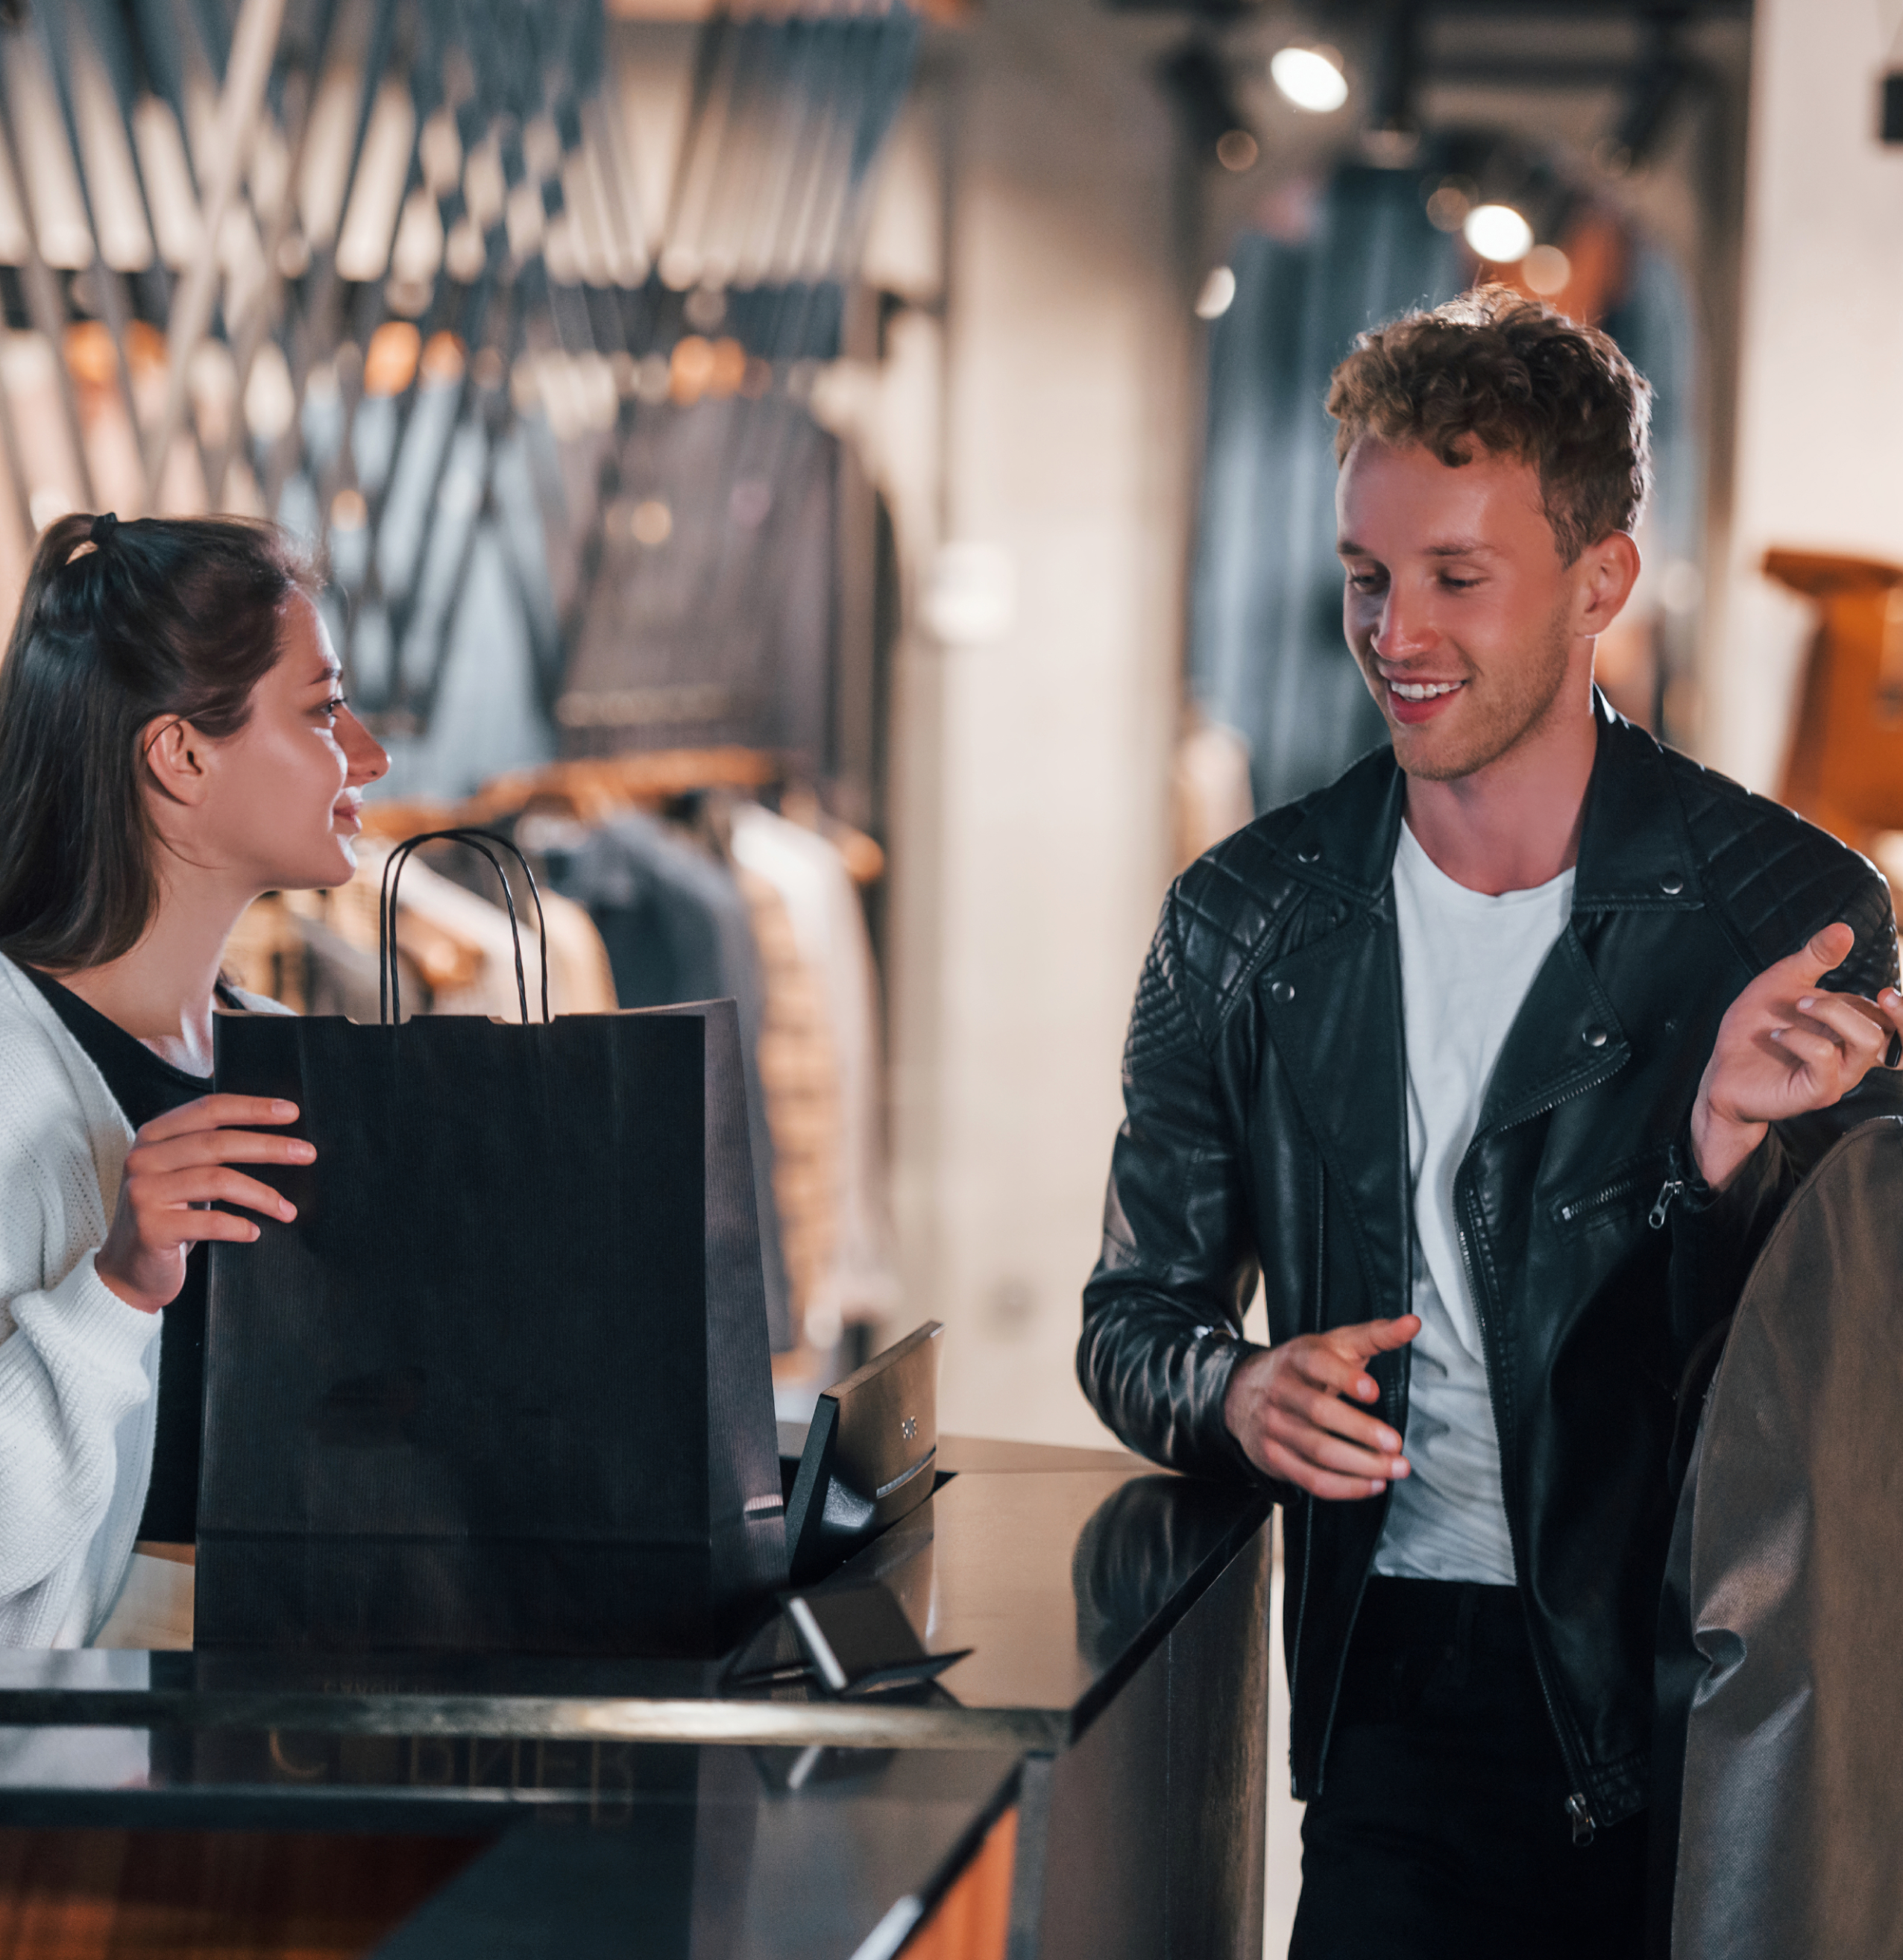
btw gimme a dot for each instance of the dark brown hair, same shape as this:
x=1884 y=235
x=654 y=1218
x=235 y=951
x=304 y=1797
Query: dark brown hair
x=119 y=624
x=1493 y=369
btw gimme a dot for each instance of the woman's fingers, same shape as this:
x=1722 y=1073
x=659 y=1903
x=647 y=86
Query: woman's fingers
x=208 y=1147
x=176 y=1192
x=215 y=1113
x=187 y=1227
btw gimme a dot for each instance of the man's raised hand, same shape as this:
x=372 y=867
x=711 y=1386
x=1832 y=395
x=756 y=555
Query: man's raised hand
x=1292 y=1409
x=1786 y=1047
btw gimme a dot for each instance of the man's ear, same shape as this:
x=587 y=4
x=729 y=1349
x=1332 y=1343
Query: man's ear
x=177 y=757
x=1609 y=569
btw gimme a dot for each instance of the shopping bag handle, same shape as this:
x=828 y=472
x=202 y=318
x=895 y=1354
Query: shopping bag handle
x=388 y=983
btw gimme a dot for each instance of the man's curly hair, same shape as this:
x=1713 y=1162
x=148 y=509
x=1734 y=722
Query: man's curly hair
x=1495 y=370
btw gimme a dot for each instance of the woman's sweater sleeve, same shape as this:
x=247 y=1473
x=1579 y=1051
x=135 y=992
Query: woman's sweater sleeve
x=74 y=1364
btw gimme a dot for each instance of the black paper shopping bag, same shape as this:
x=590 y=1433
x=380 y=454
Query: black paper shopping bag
x=503 y=1385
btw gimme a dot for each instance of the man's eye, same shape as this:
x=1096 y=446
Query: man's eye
x=1366 y=581
x=1460 y=584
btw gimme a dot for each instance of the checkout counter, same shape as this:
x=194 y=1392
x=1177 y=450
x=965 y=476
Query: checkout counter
x=1090 y=1779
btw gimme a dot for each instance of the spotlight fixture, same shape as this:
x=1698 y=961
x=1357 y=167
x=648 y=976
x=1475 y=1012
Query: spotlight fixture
x=1497 y=234
x=1309 y=78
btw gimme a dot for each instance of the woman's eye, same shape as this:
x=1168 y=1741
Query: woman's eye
x=334 y=706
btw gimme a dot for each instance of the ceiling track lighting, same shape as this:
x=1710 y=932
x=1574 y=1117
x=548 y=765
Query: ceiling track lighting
x=1309 y=77
x=1497 y=234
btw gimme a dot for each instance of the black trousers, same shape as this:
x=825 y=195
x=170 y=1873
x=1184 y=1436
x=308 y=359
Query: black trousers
x=1440 y=1832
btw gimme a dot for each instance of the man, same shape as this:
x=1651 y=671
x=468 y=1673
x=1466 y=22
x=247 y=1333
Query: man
x=1497 y=1058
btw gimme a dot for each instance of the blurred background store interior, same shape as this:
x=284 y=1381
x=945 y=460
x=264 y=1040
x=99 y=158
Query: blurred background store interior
x=847 y=486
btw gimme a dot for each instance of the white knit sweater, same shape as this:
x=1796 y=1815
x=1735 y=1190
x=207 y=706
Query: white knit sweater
x=78 y=1366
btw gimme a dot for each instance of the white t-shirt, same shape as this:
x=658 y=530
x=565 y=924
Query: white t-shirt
x=1466 y=963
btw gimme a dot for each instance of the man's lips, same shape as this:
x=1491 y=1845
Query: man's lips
x=1416 y=699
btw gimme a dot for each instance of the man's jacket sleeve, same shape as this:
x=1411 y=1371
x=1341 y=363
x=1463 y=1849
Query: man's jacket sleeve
x=1163 y=1311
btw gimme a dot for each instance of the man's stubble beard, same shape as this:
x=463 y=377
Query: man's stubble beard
x=1520 y=706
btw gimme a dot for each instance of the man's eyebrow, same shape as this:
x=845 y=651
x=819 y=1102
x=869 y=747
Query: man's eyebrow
x=1453 y=548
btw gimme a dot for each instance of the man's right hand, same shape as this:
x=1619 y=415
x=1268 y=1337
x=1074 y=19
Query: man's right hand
x=1292 y=1409
x=178 y=1166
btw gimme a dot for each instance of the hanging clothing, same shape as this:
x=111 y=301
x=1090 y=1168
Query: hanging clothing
x=1266 y=654
x=677 y=928
x=858 y=1279
x=799 y=1081
x=456 y=941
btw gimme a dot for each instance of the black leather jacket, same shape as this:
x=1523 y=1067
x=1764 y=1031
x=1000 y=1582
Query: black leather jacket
x=1265 y=1091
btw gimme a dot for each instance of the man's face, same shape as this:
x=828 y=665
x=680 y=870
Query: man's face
x=1457 y=608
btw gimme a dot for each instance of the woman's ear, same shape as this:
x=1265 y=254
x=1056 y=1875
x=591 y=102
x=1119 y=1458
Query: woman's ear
x=177 y=757
x=1611 y=569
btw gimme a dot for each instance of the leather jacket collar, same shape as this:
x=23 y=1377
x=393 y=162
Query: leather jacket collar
x=1634 y=852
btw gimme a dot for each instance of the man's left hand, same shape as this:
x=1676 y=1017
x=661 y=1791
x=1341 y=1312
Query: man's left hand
x=1784 y=1048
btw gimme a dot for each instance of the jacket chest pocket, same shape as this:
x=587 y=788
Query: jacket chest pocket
x=1616 y=1199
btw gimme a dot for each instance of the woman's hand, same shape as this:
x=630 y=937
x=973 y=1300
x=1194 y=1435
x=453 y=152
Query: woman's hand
x=178 y=1166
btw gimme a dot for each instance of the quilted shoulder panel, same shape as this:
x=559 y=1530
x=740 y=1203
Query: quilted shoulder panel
x=1160 y=1022
x=1778 y=878
x=1236 y=908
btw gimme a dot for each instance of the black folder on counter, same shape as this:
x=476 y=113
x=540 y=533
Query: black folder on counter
x=503 y=1385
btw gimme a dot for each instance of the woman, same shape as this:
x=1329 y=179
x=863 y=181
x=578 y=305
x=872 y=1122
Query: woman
x=173 y=743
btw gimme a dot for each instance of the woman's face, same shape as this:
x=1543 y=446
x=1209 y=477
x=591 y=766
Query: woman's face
x=281 y=796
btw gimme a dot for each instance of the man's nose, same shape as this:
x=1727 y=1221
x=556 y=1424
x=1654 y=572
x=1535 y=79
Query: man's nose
x=1405 y=628
x=367 y=757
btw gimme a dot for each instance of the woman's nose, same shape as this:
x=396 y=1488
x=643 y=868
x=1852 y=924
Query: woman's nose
x=367 y=757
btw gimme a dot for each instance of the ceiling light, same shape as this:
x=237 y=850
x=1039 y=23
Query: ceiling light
x=1310 y=78
x=1498 y=233
x=1546 y=271
x=1219 y=291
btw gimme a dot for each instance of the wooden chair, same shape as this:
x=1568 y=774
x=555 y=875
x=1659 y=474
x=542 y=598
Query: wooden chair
x=1845 y=767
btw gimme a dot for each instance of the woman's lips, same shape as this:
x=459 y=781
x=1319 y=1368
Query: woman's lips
x=347 y=813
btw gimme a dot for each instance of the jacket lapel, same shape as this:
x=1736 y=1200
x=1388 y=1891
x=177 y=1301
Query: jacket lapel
x=1332 y=1009
x=1633 y=855
x=1564 y=1040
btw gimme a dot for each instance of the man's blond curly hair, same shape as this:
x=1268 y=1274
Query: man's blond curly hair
x=1495 y=371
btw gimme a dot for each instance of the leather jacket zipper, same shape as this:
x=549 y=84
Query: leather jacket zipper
x=1308 y=1523
x=1678 y=1181
x=1579 y=1208
x=1578 y=1811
